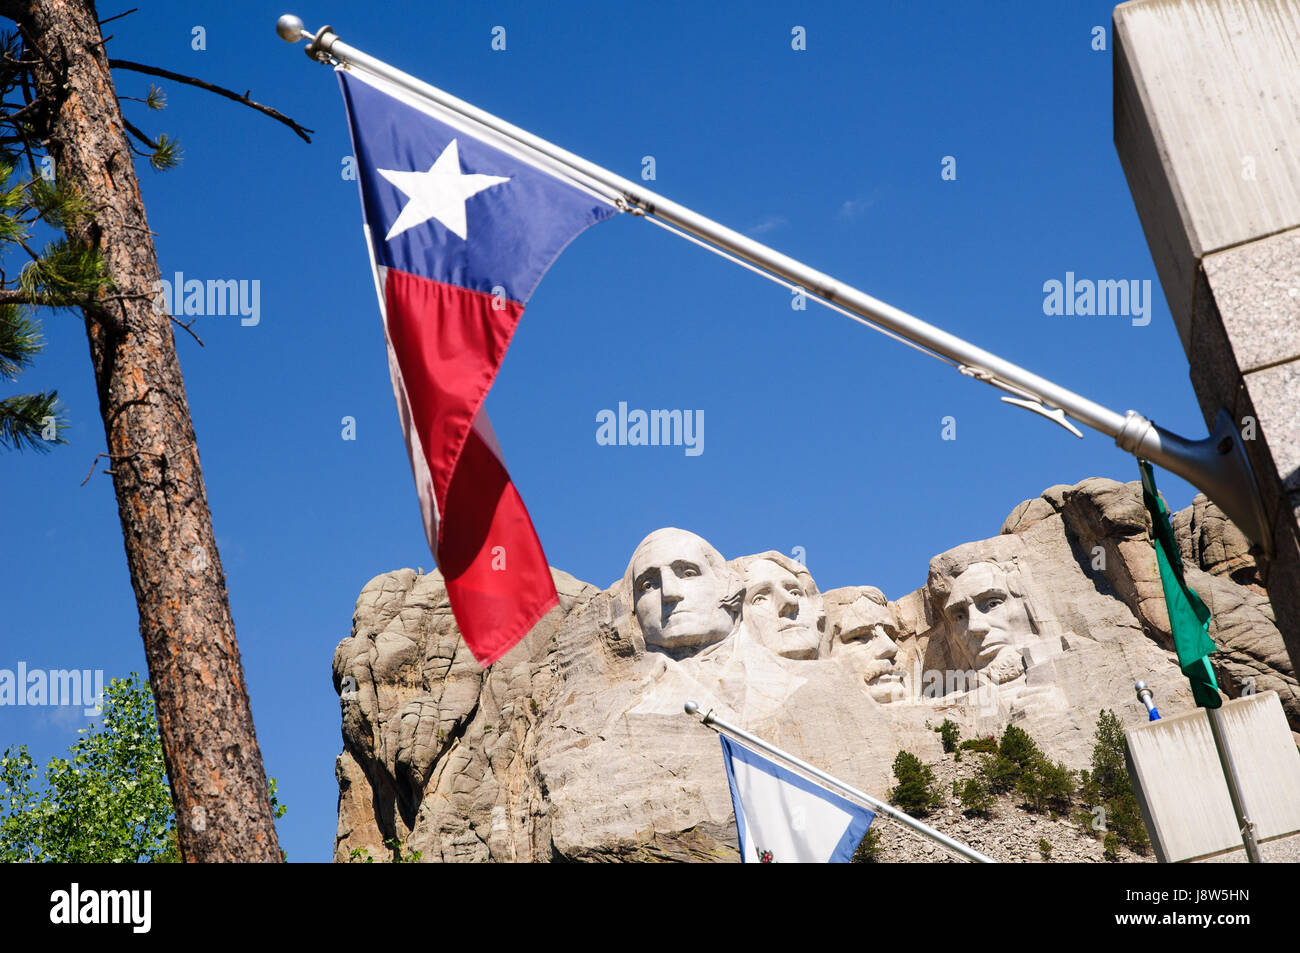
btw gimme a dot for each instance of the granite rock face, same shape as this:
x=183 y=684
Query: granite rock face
x=1108 y=518
x=574 y=745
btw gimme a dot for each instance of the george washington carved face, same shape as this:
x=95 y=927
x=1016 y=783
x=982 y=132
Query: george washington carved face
x=683 y=593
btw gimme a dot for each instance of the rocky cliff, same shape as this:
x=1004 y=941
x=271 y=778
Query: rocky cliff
x=574 y=745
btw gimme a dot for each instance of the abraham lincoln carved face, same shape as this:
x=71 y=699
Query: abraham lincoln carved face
x=989 y=623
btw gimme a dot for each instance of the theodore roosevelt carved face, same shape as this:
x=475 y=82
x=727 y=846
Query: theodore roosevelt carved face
x=866 y=629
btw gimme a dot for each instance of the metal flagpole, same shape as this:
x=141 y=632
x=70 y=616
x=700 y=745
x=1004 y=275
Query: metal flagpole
x=880 y=807
x=1217 y=465
x=1219 y=731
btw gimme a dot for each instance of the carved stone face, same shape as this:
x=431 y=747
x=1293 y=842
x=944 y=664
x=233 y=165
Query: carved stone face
x=680 y=588
x=883 y=676
x=989 y=623
x=780 y=612
x=869 y=631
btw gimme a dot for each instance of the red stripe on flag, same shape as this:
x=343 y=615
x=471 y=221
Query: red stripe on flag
x=497 y=577
x=449 y=344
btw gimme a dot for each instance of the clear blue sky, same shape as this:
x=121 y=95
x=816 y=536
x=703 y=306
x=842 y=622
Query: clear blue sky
x=818 y=433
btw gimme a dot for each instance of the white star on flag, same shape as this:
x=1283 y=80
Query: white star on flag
x=439 y=193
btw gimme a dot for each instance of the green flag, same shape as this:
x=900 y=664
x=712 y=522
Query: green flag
x=1189 y=620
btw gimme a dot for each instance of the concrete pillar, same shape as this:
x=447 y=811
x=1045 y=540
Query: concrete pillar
x=1207 y=125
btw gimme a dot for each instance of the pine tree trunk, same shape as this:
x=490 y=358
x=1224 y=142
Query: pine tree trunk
x=219 y=787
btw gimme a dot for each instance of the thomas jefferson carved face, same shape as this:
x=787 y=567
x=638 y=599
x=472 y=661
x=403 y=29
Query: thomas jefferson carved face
x=988 y=622
x=682 y=592
x=783 y=613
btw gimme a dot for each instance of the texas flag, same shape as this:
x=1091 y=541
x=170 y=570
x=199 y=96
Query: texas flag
x=460 y=232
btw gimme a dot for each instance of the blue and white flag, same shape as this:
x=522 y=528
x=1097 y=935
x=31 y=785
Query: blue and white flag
x=783 y=817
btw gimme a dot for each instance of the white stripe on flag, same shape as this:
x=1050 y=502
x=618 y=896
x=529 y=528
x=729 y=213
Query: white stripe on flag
x=414 y=446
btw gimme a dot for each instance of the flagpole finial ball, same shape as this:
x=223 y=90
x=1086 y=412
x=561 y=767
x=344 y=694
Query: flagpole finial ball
x=1144 y=694
x=692 y=708
x=289 y=27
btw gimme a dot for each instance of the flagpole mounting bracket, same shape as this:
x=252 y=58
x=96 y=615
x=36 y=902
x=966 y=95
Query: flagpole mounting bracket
x=1217 y=465
x=321 y=44
x=290 y=29
x=1056 y=415
x=623 y=205
x=693 y=709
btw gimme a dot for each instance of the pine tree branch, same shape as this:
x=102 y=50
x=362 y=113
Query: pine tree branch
x=20 y=342
x=28 y=40
x=23 y=420
x=120 y=16
x=189 y=328
x=275 y=114
x=27 y=248
x=25 y=80
x=14 y=116
x=91 y=471
x=133 y=130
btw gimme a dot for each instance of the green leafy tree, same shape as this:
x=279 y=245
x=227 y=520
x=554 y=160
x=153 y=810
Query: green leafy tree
x=1110 y=846
x=109 y=802
x=1019 y=764
x=1018 y=747
x=916 y=791
x=1045 y=848
x=1109 y=770
x=1016 y=753
x=400 y=853
x=999 y=773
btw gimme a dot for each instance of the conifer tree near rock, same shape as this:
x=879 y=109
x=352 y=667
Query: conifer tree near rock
x=60 y=102
x=916 y=792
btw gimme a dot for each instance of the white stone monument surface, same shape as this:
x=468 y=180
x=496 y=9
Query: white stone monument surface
x=575 y=746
